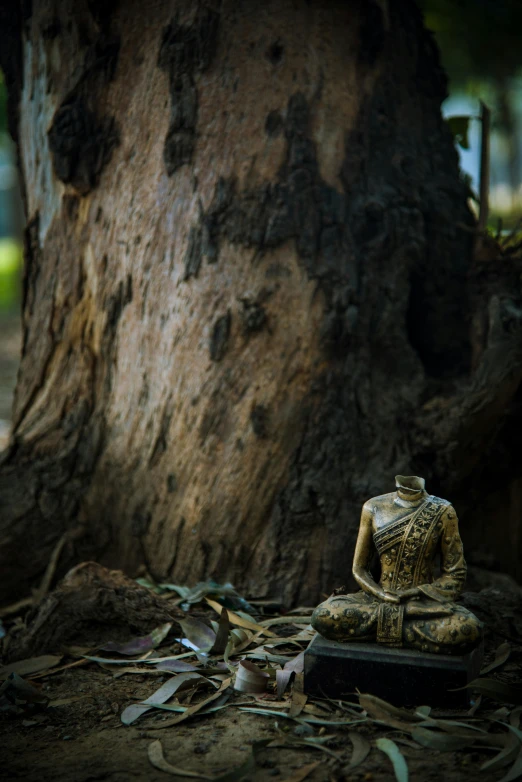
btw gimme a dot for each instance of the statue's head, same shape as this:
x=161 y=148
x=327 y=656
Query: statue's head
x=409 y=484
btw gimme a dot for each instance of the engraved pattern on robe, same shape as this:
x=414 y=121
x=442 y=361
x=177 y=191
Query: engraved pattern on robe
x=407 y=548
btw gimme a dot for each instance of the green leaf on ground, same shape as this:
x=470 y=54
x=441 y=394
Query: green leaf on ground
x=445 y=742
x=399 y=764
x=361 y=750
x=502 y=692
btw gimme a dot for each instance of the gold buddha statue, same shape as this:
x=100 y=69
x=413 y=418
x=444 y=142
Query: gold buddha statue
x=408 y=607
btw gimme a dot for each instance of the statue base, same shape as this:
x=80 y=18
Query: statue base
x=404 y=677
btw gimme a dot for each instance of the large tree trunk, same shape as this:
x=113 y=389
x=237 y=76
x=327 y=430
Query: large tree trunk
x=248 y=293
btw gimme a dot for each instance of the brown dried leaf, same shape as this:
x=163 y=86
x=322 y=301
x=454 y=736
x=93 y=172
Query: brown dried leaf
x=445 y=742
x=221 y=640
x=139 y=645
x=157 y=759
x=301 y=773
x=382 y=711
x=235 y=619
x=166 y=691
x=501 y=656
x=293 y=666
x=250 y=678
x=32 y=665
x=361 y=750
x=505 y=756
x=194 y=709
x=198 y=633
x=299 y=698
x=515 y=771
x=502 y=692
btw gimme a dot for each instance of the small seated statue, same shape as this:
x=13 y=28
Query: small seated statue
x=408 y=607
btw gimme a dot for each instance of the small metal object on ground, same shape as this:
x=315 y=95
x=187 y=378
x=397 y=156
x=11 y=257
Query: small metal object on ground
x=404 y=677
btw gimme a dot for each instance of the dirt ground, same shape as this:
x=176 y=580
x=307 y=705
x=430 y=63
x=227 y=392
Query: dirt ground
x=79 y=735
x=84 y=740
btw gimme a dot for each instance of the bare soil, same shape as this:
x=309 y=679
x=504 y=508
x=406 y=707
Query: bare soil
x=84 y=740
x=79 y=737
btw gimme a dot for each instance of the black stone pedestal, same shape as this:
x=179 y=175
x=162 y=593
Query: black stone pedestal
x=403 y=677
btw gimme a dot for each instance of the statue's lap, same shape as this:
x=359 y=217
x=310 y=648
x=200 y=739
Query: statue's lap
x=354 y=618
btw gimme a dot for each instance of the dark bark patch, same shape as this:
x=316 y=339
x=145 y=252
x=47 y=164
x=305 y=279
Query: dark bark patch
x=81 y=139
x=277 y=271
x=117 y=303
x=160 y=446
x=259 y=420
x=185 y=52
x=102 y=57
x=193 y=254
x=172 y=483
x=275 y=51
x=372 y=33
x=274 y=123
x=220 y=337
x=214 y=421
x=102 y=10
x=299 y=206
x=32 y=268
x=337 y=330
x=140 y=521
x=71 y=205
x=253 y=316
x=51 y=28
x=81 y=144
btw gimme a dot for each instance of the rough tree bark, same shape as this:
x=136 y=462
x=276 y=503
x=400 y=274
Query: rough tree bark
x=249 y=294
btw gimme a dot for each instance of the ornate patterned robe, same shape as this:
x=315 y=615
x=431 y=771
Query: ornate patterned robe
x=407 y=547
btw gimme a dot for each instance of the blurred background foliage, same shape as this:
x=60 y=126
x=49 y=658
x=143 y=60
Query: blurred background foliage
x=10 y=216
x=481 y=48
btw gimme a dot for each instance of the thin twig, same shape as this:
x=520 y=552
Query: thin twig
x=15 y=608
x=45 y=584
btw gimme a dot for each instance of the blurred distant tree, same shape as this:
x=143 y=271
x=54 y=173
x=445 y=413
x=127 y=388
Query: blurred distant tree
x=481 y=49
x=3 y=106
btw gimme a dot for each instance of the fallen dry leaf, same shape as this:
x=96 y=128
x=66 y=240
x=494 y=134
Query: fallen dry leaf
x=166 y=691
x=157 y=759
x=235 y=619
x=32 y=665
x=139 y=645
x=194 y=709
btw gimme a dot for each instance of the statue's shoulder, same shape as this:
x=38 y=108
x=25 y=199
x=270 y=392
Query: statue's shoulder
x=441 y=502
x=378 y=502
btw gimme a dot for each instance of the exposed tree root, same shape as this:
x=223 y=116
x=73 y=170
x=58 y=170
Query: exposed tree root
x=90 y=606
